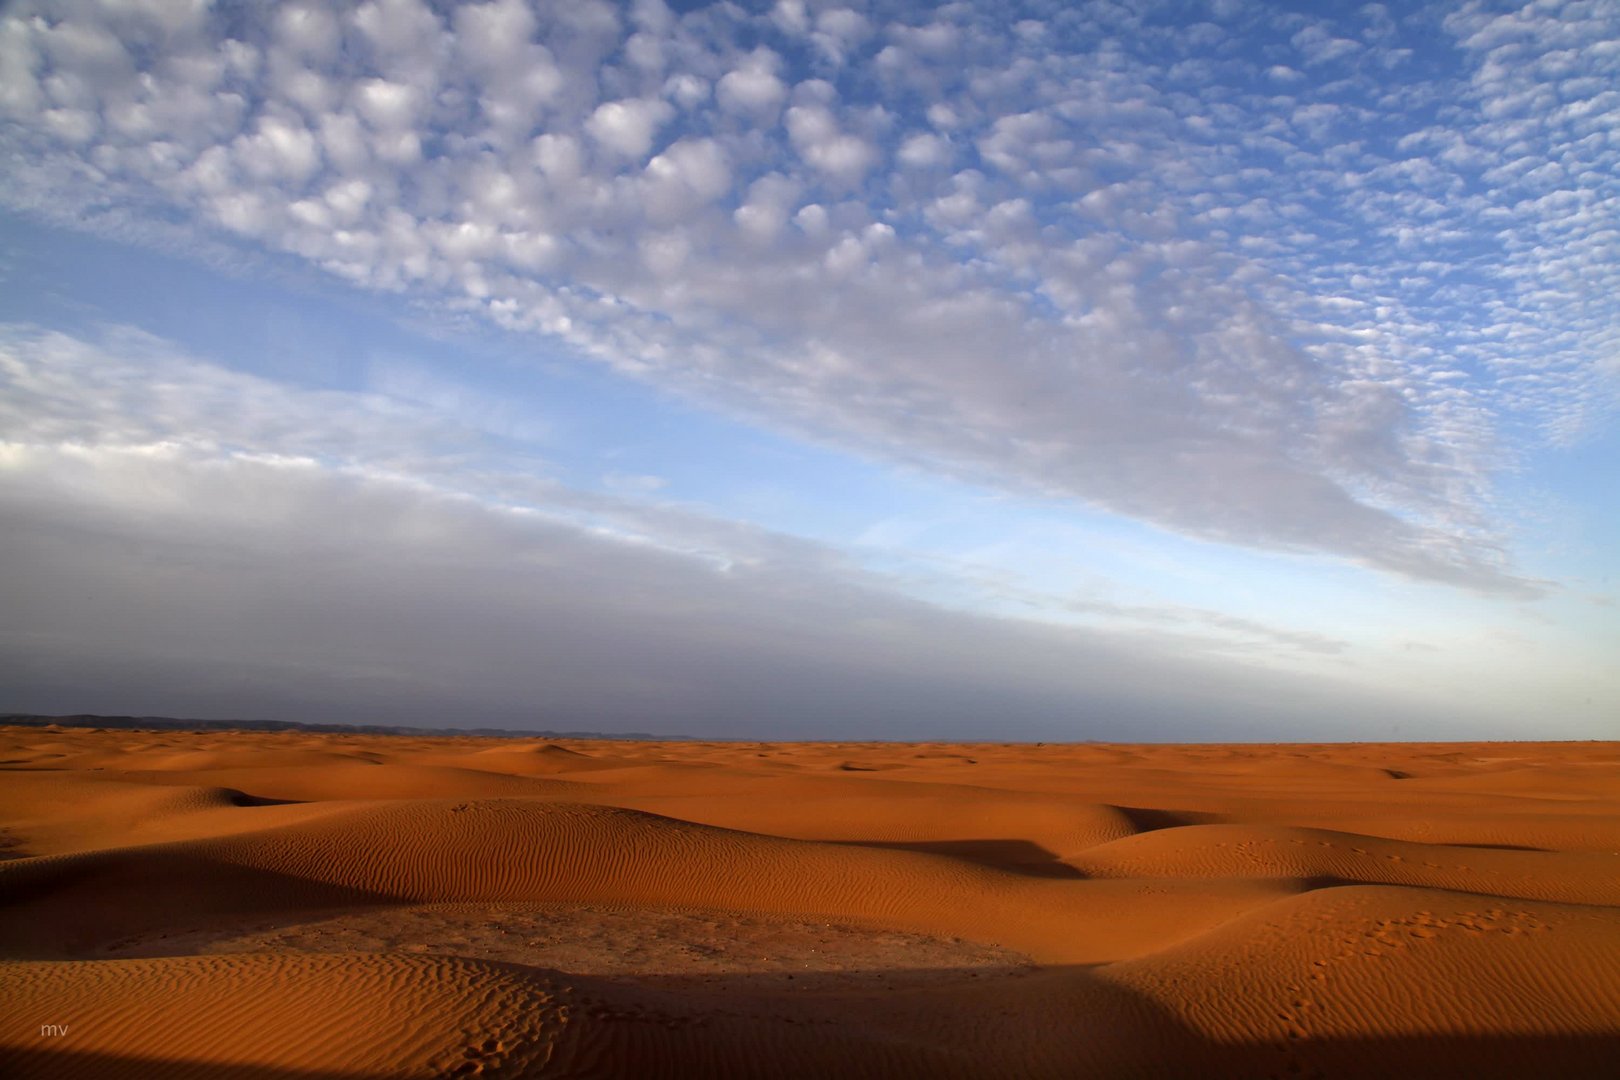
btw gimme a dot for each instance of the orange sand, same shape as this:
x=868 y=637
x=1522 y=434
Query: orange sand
x=301 y=905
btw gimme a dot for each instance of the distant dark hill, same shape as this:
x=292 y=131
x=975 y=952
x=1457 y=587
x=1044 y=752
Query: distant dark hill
x=148 y=723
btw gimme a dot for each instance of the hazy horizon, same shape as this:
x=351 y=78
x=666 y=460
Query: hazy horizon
x=1213 y=372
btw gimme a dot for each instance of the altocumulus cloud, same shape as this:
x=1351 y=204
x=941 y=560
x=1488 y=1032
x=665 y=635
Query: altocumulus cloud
x=1266 y=278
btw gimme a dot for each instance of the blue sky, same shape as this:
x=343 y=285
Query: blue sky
x=1198 y=371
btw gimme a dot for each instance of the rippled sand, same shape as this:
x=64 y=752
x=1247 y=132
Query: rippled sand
x=301 y=905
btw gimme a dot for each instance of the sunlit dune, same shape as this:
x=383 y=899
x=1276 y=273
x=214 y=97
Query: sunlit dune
x=297 y=905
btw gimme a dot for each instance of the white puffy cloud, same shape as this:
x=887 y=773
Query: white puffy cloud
x=765 y=211
x=688 y=174
x=388 y=106
x=843 y=157
x=495 y=36
x=925 y=150
x=628 y=127
x=753 y=87
x=1319 y=46
x=839 y=31
x=308 y=29
x=278 y=149
x=790 y=16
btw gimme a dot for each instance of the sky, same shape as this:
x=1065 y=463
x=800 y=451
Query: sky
x=1124 y=371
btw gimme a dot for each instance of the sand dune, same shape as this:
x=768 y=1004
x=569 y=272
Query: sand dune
x=1249 y=851
x=274 y=904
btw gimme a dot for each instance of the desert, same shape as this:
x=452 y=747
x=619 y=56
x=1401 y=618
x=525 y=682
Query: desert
x=293 y=904
x=809 y=538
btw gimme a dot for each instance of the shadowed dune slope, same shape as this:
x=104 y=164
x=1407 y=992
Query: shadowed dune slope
x=1256 y=851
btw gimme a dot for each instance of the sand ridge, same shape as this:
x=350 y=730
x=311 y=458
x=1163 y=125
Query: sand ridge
x=294 y=904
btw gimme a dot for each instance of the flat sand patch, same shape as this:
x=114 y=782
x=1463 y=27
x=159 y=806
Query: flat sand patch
x=590 y=939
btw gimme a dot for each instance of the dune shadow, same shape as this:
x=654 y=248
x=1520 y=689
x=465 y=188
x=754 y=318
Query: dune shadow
x=1149 y=819
x=1013 y=856
x=68 y=907
x=1500 y=847
x=1060 y=1021
x=242 y=798
x=1508 y=1057
x=11 y=847
x=63 y=1061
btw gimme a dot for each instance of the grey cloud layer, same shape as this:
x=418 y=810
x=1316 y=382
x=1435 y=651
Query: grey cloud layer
x=163 y=579
x=180 y=538
x=1139 y=264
